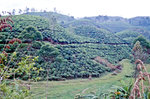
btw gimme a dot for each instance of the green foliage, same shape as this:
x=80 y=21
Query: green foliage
x=100 y=35
x=13 y=89
x=48 y=52
x=144 y=43
x=78 y=57
x=137 y=46
x=122 y=91
x=70 y=88
x=36 y=44
x=31 y=33
x=78 y=45
x=12 y=66
x=141 y=49
x=128 y=35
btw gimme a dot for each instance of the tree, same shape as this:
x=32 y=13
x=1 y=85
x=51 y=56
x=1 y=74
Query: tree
x=27 y=10
x=144 y=43
x=3 y=12
x=141 y=49
x=20 y=11
x=137 y=47
x=49 y=53
x=138 y=52
x=5 y=23
x=13 y=12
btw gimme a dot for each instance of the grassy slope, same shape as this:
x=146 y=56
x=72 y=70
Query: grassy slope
x=68 y=89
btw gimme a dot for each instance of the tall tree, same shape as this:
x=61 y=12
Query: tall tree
x=143 y=42
x=138 y=52
x=20 y=11
x=27 y=10
x=13 y=12
x=3 y=12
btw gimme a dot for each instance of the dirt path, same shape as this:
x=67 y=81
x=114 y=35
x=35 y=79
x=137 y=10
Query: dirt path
x=84 y=90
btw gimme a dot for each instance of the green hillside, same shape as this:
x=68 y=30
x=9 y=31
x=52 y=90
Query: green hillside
x=77 y=47
x=62 y=19
x=101 y=35
x=78 y=56
x=130 y=34
x=69 y=89
x=116 y=26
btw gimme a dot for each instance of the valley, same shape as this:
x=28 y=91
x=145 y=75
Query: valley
x=84 y=57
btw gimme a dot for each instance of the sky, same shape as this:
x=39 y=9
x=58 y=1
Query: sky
x=82 y=8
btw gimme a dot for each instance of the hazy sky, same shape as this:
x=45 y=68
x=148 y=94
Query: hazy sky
x=81 y=8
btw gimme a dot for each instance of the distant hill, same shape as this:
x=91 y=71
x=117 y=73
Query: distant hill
x=111 y=23
x=140 y=21
x=60 y=17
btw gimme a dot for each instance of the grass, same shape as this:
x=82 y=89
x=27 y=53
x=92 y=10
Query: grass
x=68 y=89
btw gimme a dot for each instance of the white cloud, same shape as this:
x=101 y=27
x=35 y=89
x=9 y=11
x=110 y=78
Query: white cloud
x=80 y=8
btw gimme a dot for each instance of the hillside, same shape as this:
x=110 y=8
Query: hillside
x=60 y=17
x=78 y=42
x=130 y=34
x=112 y=24
x=77 y=46
x=69 y=89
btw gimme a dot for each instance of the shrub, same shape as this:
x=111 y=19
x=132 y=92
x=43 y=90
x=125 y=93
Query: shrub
x=31 y=33
x=36 y=44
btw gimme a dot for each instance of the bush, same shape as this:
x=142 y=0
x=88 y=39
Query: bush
x=36 y=44
x=31 y=33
